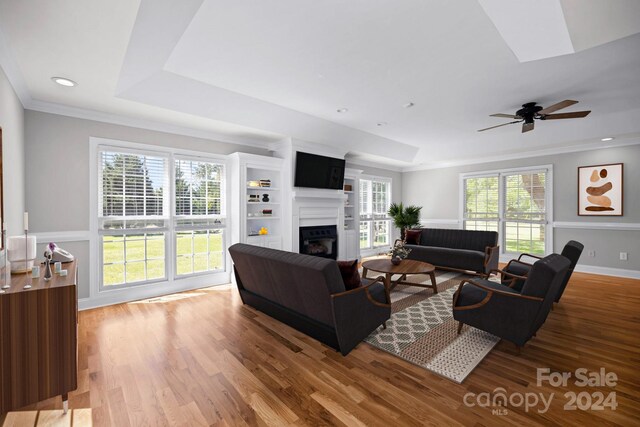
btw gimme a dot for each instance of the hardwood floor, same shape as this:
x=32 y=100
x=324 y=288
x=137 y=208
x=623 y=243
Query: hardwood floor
x=201 y=358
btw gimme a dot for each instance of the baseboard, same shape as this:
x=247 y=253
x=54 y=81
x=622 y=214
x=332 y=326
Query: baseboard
x=608 y=271
x=132 y=294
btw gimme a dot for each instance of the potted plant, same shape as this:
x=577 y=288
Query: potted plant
x=404 y=217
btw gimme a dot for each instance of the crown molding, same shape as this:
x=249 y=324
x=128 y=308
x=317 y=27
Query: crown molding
x=116 y=119
x=367 y=163
x=12 y=72
x=596 y=145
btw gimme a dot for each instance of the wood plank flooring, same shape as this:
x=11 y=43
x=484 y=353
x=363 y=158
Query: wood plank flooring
x=201 y=358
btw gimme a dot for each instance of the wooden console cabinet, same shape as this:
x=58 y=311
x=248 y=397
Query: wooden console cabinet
x=38 y=339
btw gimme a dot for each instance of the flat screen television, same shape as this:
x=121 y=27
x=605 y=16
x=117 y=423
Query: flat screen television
x=313 y=171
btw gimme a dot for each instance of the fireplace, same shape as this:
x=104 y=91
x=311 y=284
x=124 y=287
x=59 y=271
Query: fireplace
x=321 y=240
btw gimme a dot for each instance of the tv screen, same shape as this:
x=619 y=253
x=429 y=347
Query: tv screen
x=313 y=171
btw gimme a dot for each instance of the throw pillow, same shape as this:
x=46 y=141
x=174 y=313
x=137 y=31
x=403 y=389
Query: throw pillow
x=350 y=274
x=412 y=237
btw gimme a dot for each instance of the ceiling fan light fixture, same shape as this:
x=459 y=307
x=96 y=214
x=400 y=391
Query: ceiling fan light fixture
x=381 y=124
x=342 y=110
x=63 y=81
x=408 y=105
x=609 y=138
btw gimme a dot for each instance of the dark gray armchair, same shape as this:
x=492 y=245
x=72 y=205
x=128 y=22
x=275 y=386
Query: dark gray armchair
x=502 y=311
x=572 y=251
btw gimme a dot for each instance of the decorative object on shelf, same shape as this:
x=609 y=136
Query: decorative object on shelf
x=48 y=254
x=267 y=212
x=35 y=272
x=254 y=198
x=265 y=198
x=263 y=231
x=348 y=187
x=265 y=183
x=22 y=250
x=253 y=184
x=600 y=190
x=404 y=217
x=399 y=252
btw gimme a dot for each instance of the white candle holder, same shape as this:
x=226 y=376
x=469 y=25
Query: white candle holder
x=21 y=252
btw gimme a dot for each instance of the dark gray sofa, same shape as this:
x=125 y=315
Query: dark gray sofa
x=455 y=249
x=308 y=294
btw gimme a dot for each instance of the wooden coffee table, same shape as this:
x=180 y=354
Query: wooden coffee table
x=406 y=267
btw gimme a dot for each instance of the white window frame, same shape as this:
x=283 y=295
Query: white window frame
x=372 y=249
x=172 y=282
x=501 y=174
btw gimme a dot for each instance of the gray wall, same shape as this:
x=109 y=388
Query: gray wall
x=57 y=178
x=437 y=190
x=396 y=185
x=12 y=124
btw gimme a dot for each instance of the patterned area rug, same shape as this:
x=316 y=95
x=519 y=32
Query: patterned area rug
x=422 y=329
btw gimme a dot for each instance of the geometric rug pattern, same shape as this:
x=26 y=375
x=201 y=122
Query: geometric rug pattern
x=422 y=330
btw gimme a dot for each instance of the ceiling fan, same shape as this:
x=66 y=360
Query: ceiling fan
x=531 y=111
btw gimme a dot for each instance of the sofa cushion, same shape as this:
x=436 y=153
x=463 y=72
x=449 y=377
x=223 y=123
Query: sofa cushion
x=350 y=274
x=471 y=294
x=447 y=257
x=412 y=237
x=458 y=239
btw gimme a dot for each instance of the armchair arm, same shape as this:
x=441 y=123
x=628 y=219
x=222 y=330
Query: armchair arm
x=490 y=293
x=514 y=277
x=530 y=256
x=491 y=258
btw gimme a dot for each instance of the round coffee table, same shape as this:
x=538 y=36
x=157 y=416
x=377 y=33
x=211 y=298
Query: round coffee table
x=407 y=266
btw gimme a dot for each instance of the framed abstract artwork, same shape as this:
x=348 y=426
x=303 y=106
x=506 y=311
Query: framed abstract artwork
x=600 y=190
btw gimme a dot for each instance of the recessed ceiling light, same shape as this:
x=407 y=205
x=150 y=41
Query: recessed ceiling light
x=381 y=124
x=342 y=110
x=408 y=105
x=64 y=82
x=609 y=138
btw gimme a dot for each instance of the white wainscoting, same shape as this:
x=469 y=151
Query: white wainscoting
x=109 y=297
x=591 y=225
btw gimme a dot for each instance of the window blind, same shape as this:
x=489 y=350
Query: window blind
x=132 y=186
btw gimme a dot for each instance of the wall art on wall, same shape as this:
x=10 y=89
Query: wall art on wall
x=600 y=191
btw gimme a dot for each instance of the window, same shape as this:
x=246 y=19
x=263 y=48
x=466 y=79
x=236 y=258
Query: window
x=375 y=198
x=132 y=206
x=136 y=223
x=514 y=203
x=481 y=203
x=199 y=207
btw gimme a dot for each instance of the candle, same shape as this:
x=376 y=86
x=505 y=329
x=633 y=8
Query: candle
x=25 y=219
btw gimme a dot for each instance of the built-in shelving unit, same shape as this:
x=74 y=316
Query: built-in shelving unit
x=349 y=247
x=257 y=200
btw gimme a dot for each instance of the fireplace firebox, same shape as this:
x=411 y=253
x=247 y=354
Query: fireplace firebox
x=320 y=240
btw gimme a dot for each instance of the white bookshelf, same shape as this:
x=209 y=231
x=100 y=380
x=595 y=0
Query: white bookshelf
x=350 y=246
x=257 y=178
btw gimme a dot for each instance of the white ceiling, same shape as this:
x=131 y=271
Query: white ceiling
x=255 y=71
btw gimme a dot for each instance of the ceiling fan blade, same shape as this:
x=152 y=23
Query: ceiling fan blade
x=526 y=127
x=504 y=124
x=559 y=106
x=574 y=115
x=506 y=116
